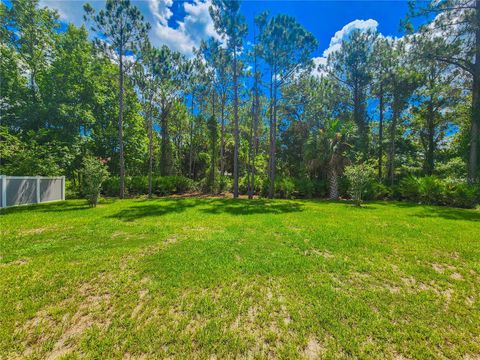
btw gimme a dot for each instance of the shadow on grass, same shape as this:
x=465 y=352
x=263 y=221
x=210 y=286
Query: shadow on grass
x=430 y=211
x=62 y=206
x=155 y=208
x=252 y=207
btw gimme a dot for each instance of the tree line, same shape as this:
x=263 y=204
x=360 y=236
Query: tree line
x=246 y=116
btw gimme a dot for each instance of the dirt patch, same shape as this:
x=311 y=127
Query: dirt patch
x=78 y=325
x=34 y=231
x=141 y=295
x=324 y=254
x=438 y=268
x=171 y=240
x=314 y=349
x=392 y=288
x=456 y=276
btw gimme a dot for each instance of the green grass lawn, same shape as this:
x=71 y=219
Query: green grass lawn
x=218 y=278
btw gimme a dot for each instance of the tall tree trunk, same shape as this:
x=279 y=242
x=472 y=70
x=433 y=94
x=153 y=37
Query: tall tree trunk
x=270 y=158
x=150 y=153
x=165 y=153
x=255 y=112
x=274 y=144
x=120 y=129
x=333 y=182
x=474 y=131
x=214 y=148
x=391 y=153
x=255 y=135
x=429 y=158
x=222 y=144
x=380 y=136
x=190 y=157
x=236 y=135
x=250 y=155
x=273 y=137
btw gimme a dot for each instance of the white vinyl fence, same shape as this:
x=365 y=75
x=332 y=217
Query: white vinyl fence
x=23 y=190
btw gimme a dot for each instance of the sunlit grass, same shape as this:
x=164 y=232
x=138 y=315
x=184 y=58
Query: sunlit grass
x=217 y=277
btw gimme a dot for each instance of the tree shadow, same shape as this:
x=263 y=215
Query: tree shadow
x=156 y=208
x=430 y=211
x=251 y=207
x=63 y=206
x=153 y=209
x=450 y=214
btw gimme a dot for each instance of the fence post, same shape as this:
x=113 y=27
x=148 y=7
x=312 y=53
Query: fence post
x=38 y=189
x=63 y=187
x=4 y=190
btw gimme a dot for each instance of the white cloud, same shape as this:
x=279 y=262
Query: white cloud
x=343 y=34
x=187 y=33
x=70 y=11
x=337 y=40
x=197 y=25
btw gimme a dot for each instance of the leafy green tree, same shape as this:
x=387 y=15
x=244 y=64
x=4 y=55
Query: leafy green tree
x=436 y=96
x=403 y=81
x=286 y=47
x=383 y=58
x=328 y=147
x=94 y=173
x=30 y=30
x=121 y=31
x=453 y=26
x=13 y=88
x=67 y=86
x=219 y=60
x=231 y=26
x=144 y=76
x=172 y=71
x=352 y=66
x=358 y=176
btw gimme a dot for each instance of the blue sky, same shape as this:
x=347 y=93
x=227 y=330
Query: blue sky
x=182 y=24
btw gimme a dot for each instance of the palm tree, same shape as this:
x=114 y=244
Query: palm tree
x=326 y=149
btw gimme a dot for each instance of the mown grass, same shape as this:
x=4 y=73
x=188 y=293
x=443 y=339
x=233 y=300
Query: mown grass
x=200 y=278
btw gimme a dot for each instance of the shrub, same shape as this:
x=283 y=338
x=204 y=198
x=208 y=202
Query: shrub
x=409 y=189
x=161 y=185
x=111 y=186
x=94 y=173
x=137 y=185
x=358 y=177
x=431 y=190
x=304 y=188
x=461 y=194
x=71 y=190
x=284 y=187
x=377 y=190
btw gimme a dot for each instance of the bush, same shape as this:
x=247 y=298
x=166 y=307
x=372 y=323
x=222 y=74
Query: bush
x=138 y=185
x=461 y=194
x=431 y=190
x=359 y=176
x=111 y=186
x=409 y=189
x=71 y=190
x=304 y=188
x=284 y=187
x=94 y=173
x=377 y=190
